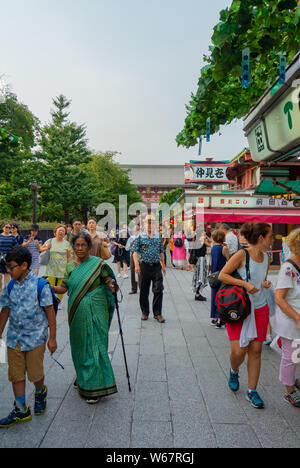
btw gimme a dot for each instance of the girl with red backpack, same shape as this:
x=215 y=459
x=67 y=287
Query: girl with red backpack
x=259 y=237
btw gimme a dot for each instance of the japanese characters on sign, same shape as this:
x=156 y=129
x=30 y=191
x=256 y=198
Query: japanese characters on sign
x=249 y=202
x=211 y=174
x=280 y=129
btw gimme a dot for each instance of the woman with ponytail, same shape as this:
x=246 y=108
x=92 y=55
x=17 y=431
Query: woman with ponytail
x=259 y=237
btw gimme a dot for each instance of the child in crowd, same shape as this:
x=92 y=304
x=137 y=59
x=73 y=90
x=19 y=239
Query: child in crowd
x=29 y=319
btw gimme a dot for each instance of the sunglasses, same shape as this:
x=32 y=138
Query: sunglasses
x=11 y=268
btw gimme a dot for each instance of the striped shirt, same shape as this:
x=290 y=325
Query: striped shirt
x=7 y=243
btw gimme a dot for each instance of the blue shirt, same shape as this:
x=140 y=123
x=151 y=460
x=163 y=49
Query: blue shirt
x=150 y=248
x=7 y=243
x=28 y=323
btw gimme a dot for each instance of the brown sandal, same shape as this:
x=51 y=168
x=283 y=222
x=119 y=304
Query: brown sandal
x=159 y=318
x=144 y=317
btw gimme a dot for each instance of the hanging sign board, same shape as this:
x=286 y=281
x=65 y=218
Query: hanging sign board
x=206 y=174
x=279 y=130
x=273 y=125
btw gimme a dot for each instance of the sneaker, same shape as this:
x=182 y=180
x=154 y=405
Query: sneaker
x=16 y=417
x=268 y=340
x=119 y=275
x=40 y=402
x=200 y=298
x=75 y=385
x=255 y=400
x=293 y=398
x=233 y=381
x=125 y=276
x=214 y=322
x=219 y=325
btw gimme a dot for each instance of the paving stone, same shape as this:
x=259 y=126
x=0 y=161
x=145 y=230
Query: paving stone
x=236 y=436
x=152 y=434
x=178 y=374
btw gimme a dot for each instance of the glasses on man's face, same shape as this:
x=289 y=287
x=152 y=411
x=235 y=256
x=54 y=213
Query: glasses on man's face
x=7 y=227
x=11 y=267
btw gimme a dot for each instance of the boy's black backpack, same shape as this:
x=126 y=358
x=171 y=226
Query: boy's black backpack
x=232 y=302
x=41 y=283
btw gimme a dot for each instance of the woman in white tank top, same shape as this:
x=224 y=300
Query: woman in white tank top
x=259 y=237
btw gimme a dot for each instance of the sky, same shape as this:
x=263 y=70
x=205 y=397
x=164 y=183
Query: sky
x=128 y=66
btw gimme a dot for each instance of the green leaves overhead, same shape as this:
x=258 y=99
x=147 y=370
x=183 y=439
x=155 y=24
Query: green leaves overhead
x=267 y=28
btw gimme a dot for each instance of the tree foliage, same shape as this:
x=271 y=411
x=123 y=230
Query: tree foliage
x=268 y=28
x=111 y=180
x=73 y=181
x=172 y=196
x=63 y=155
x=18 y=127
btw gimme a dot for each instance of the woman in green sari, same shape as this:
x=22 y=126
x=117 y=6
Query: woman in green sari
x=91 y=305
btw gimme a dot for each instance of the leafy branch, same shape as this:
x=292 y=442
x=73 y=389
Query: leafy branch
x=268 y=28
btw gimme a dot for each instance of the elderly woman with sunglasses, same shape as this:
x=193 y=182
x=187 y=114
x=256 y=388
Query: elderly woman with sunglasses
x=7 y=242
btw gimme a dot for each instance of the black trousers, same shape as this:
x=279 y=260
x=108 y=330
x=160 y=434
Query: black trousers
x=134 y=283
x=151 y=273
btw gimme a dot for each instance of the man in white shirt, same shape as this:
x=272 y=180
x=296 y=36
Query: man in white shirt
x=231 y=239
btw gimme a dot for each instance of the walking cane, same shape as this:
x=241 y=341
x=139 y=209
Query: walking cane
x=121 y=331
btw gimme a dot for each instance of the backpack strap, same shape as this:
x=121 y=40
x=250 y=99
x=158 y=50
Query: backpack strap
x=10 y=285
x=41 y=283
x=294 y=265
x=247 y=265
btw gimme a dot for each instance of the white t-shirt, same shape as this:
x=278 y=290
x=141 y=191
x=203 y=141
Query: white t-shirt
x=232 y=243
x=288 y=278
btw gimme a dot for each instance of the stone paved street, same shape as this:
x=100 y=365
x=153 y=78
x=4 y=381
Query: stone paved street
x=180 y=397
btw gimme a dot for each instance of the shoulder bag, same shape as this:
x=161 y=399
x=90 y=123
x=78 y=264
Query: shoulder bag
x=44 y=257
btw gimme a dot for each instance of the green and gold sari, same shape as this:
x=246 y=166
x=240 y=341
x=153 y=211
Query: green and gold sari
x=90 y=310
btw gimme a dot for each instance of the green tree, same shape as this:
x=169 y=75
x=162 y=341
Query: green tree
x=63 y=155
x=172 y=196
x=111 y=180
x=267 y=28
x=18 y=129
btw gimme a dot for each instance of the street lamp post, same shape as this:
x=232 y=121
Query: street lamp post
x=34 y=187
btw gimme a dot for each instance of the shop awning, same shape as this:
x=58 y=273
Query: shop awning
x=268 y=188
x=213 y=215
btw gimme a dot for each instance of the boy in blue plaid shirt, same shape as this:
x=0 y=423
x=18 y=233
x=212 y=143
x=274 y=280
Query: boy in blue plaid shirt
x=29 y=319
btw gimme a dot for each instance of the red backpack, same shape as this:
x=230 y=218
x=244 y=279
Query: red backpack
x=232 y=302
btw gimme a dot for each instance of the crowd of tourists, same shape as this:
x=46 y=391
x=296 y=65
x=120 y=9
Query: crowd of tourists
x=76 y=265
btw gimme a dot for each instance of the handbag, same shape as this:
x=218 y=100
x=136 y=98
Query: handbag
x=213 y=280
x=113 y=249
x=104 y=253
x=44 y=257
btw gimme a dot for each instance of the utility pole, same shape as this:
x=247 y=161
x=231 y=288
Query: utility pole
x=34 y=187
